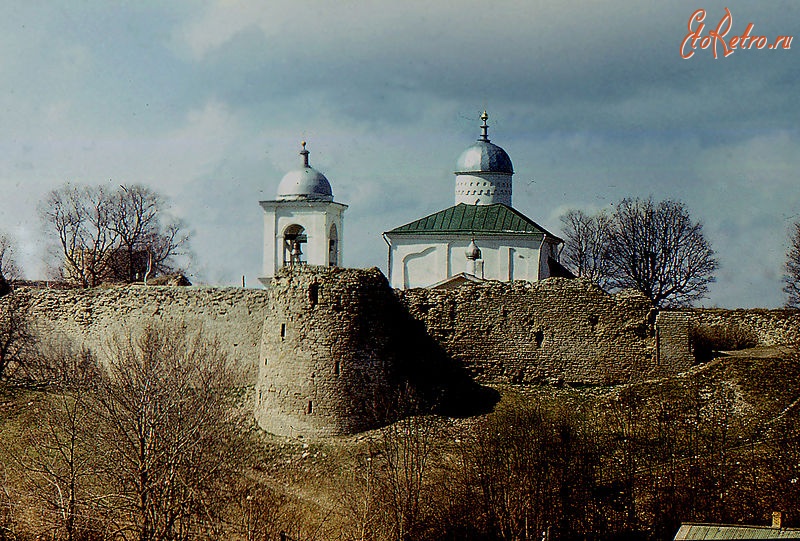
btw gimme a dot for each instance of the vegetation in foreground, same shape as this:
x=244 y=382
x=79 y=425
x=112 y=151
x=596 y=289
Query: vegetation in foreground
x=158 y=445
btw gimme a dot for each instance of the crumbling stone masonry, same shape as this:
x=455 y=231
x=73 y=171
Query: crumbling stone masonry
x=89 y=317
x=554 y=331
x=333 y=347
x=326 y=357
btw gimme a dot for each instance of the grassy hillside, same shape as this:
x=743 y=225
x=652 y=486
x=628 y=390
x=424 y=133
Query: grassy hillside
x=718 y=443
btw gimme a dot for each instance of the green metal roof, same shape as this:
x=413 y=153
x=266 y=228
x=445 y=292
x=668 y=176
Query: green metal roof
x=474 y=219
x=709 y=532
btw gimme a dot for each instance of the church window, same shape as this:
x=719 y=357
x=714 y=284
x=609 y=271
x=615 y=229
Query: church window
x=310 y=408
x=336 y=368
x=283 y=331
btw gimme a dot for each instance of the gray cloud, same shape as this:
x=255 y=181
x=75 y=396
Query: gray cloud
x=591 y=100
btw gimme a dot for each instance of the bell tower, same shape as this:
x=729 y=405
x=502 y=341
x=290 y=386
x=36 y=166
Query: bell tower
x=303 y=225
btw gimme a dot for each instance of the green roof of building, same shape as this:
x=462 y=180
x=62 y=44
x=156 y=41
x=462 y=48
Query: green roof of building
x=475 y=219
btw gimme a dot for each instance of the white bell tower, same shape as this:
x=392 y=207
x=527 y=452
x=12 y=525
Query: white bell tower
x=302 y=225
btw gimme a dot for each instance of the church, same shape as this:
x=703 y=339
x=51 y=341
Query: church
x=481 y=237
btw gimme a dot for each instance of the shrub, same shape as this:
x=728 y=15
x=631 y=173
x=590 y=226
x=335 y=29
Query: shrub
x=706 y=340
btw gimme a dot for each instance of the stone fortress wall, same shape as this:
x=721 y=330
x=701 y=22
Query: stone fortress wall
x=91 y=317
x=554 y=331
x=768 y=327
x=329 y=345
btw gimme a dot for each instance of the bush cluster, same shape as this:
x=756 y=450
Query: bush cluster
x=708 y=340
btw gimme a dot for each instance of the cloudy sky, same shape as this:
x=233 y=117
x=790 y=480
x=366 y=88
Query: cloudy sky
x=207 y=101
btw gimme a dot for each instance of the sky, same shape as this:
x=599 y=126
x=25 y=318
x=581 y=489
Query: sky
x=206 y=102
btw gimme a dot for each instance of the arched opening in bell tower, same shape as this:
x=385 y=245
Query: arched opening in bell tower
x=294 y=240
x=333 y=247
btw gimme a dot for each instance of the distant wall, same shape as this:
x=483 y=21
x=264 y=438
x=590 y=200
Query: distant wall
x=89 y=317
x=672 y=339
x=771 y=327
x=556 y=330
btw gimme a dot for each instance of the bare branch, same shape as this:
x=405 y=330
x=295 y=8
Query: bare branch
x=112 y=236
x=586 y=241
x=657 y=249
x=792 y=277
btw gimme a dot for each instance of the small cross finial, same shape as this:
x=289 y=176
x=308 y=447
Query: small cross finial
x=304 y=153
x=485 y=126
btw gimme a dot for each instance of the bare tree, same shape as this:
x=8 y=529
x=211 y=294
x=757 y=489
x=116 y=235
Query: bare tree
x=166 y=405
x=15 y=333
x=403 y=453
x=81 y=218
x=586 y=240
x=148 y=237
x=261 y=512
x=361 y=503
x=8 y=267
x=61 y=465
x=657 y=249
x=8 y=506
x=792 y=276
x=16 y=336
x=111 y=235
x=534 y=471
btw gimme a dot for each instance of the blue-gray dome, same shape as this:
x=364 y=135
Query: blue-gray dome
x=304 y=183
x=484 y=157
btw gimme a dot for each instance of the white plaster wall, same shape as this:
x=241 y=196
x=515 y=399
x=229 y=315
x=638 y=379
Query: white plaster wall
x=417 y=262
x=421 y=261
x=548 y=249
x=269 y=251
x=506 y=258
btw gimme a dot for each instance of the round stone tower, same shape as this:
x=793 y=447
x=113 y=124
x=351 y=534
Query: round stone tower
x=483 y=172
x=326 y=361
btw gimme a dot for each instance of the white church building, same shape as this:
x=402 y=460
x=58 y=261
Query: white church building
x=481 y=237
x=303 y=224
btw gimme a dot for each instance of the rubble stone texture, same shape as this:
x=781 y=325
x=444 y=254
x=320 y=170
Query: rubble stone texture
x=329 y=349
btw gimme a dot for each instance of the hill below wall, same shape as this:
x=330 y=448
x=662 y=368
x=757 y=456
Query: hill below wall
x=318 y=489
